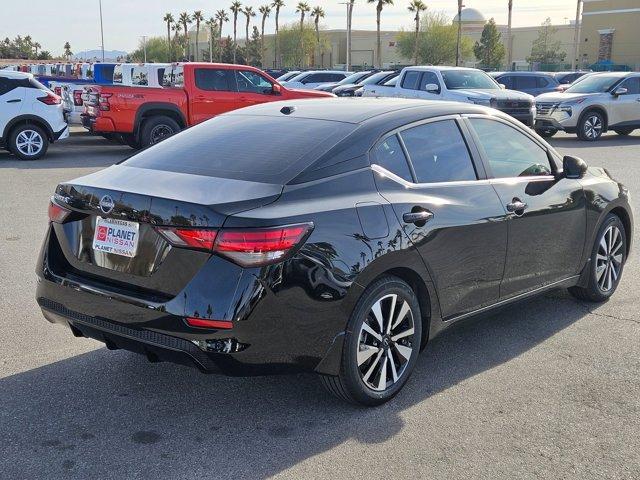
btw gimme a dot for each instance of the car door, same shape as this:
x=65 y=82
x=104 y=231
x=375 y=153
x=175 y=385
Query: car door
x=448 y=209
x=626 y=108
x=526 y=84
x=11 y=100
x=546 y=213
x=214 y=93
x=253 y=88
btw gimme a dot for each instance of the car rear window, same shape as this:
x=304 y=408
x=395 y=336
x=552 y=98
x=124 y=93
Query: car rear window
x=263 y=149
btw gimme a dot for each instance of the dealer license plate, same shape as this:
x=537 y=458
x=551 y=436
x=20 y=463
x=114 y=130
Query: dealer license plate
x=119 y=237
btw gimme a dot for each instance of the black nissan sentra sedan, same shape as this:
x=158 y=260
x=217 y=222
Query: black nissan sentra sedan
x=334 y=236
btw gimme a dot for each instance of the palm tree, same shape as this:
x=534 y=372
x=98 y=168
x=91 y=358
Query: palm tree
x=277 y=4
x=36 y=47
x=264 y=10
x=185 y=20
x=222 y=17
x=197 y=17
x=67 y=50
x=211 y=24
x=248 y=12
x=379 y=6
x=302 y=9
x=169 y=19
x=177 y=29
x=317 y=13
x=417 y=7
x=236 y=7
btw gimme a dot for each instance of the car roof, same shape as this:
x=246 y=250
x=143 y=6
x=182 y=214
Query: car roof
x=14 y=74
x=357 y=110
x=524 y=74
x=426 y=68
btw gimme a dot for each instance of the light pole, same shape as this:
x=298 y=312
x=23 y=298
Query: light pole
x=349 y=5
x=101 y=30
x=576 y=36
x=509 y=40
x=460 y=6
x=144 y=46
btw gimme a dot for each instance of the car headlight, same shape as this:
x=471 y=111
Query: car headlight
x=566 y=106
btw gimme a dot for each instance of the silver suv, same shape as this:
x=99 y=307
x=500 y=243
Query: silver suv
x=601 y=102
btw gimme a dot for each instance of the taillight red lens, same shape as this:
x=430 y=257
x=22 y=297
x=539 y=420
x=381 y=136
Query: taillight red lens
x=200 y=239
x=58 y=90
x=260 y=246
x=203 y=323
x=57 y=213
x=103 y=101
x=77 y=98
x=51 y=99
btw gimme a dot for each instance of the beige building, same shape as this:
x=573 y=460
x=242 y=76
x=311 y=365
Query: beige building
x=610 y=32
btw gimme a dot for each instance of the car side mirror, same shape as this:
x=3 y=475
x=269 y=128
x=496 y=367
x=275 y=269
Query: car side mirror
x=276 y=89
x=502 y=86
x=574 y=167
x=431 y=88
x=620 y=91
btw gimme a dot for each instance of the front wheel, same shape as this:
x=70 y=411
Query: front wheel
x=607 y=262
x=28 y=142
x=591 y=126
x=382 y=344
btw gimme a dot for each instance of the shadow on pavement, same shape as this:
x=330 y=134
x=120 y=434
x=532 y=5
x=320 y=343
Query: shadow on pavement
x=112 y=415
x=608 y=140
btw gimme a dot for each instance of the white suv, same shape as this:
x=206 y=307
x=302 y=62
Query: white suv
x=31 y=116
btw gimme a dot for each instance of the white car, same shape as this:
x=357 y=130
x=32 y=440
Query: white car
x=31 y=116
x=312 y=79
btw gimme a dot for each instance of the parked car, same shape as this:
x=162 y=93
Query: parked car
x=311 y=79
x=195 y=92
x=458 y=84
x=591 y=107
x=31 y=116
x=565 y=86
x=378 y=78
x=352 y=79
x=566 y=78
x=287 y=76
x=533 y=83
x=340 y=239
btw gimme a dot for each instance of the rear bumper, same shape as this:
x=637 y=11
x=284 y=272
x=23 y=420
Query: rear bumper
x=97 y=124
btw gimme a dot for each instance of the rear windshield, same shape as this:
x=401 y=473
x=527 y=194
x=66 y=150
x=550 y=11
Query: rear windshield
x=254 y=148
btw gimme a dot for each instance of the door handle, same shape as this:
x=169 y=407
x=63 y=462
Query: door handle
x=421 y=216
x=517 y=207
x=17 y=100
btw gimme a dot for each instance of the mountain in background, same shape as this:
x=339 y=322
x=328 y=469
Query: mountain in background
x=97 y=54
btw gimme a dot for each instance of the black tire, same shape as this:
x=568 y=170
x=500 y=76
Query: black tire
x=352 y=383
x=591 y=126
x=26 y=138
x=623 y=131
x=546 y=133
x=131 y=140
x=595 y=291
x=156 y=129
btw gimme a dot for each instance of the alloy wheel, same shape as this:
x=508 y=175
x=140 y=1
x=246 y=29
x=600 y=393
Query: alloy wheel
x=160 y=132
x=609 y=258
x=385 y=342
x=29 y=142
x=593 y=126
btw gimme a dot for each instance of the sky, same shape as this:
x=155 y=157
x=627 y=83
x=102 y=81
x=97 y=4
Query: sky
x=53 y=22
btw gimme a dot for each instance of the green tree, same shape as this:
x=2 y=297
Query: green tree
x=236 y=8
x=212 y=25
x=157 y=50
x=490 y=49
x=222 y=17
x=197 y=17
x=296 y=45
x=302 y=9
x=545 y=48
x=379 y=6
x=178 y=39
x=67 y=50
x=317 y=13
x=264 y=10
x=277 y=4
x=168 y=18
x=249 y=13
x=417 y=7
x=253 y=49
x=436 y=41
x=185 y=20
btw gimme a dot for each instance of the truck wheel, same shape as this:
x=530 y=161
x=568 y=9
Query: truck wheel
x=156 y=129
x=28 y=142
x=131 y=140
x=591 y=126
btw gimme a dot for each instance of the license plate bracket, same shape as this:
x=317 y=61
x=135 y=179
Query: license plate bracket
x=115 y=236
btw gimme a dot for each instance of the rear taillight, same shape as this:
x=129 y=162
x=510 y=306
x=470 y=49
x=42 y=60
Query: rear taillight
x=204 y=323
x=103 y=101
x=57 y=213
x=58 y=91
x=50 y=99
x=77 y=98
x=251 y=247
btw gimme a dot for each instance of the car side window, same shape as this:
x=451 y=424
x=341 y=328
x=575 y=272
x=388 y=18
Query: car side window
x=313 y=78
x=526 y=82
x=411 y=80
x=542 y=82
x=389 y=155
x=215 y=80
x=6 y=85
x=507 y=81
x=429 y=78
x=632 y=85
x=438 y=152
x=251 y=82
x=509 y=152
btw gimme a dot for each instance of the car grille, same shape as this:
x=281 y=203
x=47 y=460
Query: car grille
x=545 y=108
x=514 y=107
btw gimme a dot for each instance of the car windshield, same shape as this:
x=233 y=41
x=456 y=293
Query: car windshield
x=393 y=82
x=375 y=78
x=299 y=77
x=461 y=79
x=594 y=84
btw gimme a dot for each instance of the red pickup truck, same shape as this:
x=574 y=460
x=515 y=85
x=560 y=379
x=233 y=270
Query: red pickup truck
x=192 y=93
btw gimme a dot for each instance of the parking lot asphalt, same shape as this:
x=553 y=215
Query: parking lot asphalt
x=545 y=389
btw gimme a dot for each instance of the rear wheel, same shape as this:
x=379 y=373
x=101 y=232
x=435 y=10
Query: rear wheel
x=623 y=131
x=607 y=262
x=28 y=142
x=156 y=129
x=547 y=132
x=591 y=126
x=382 y=344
